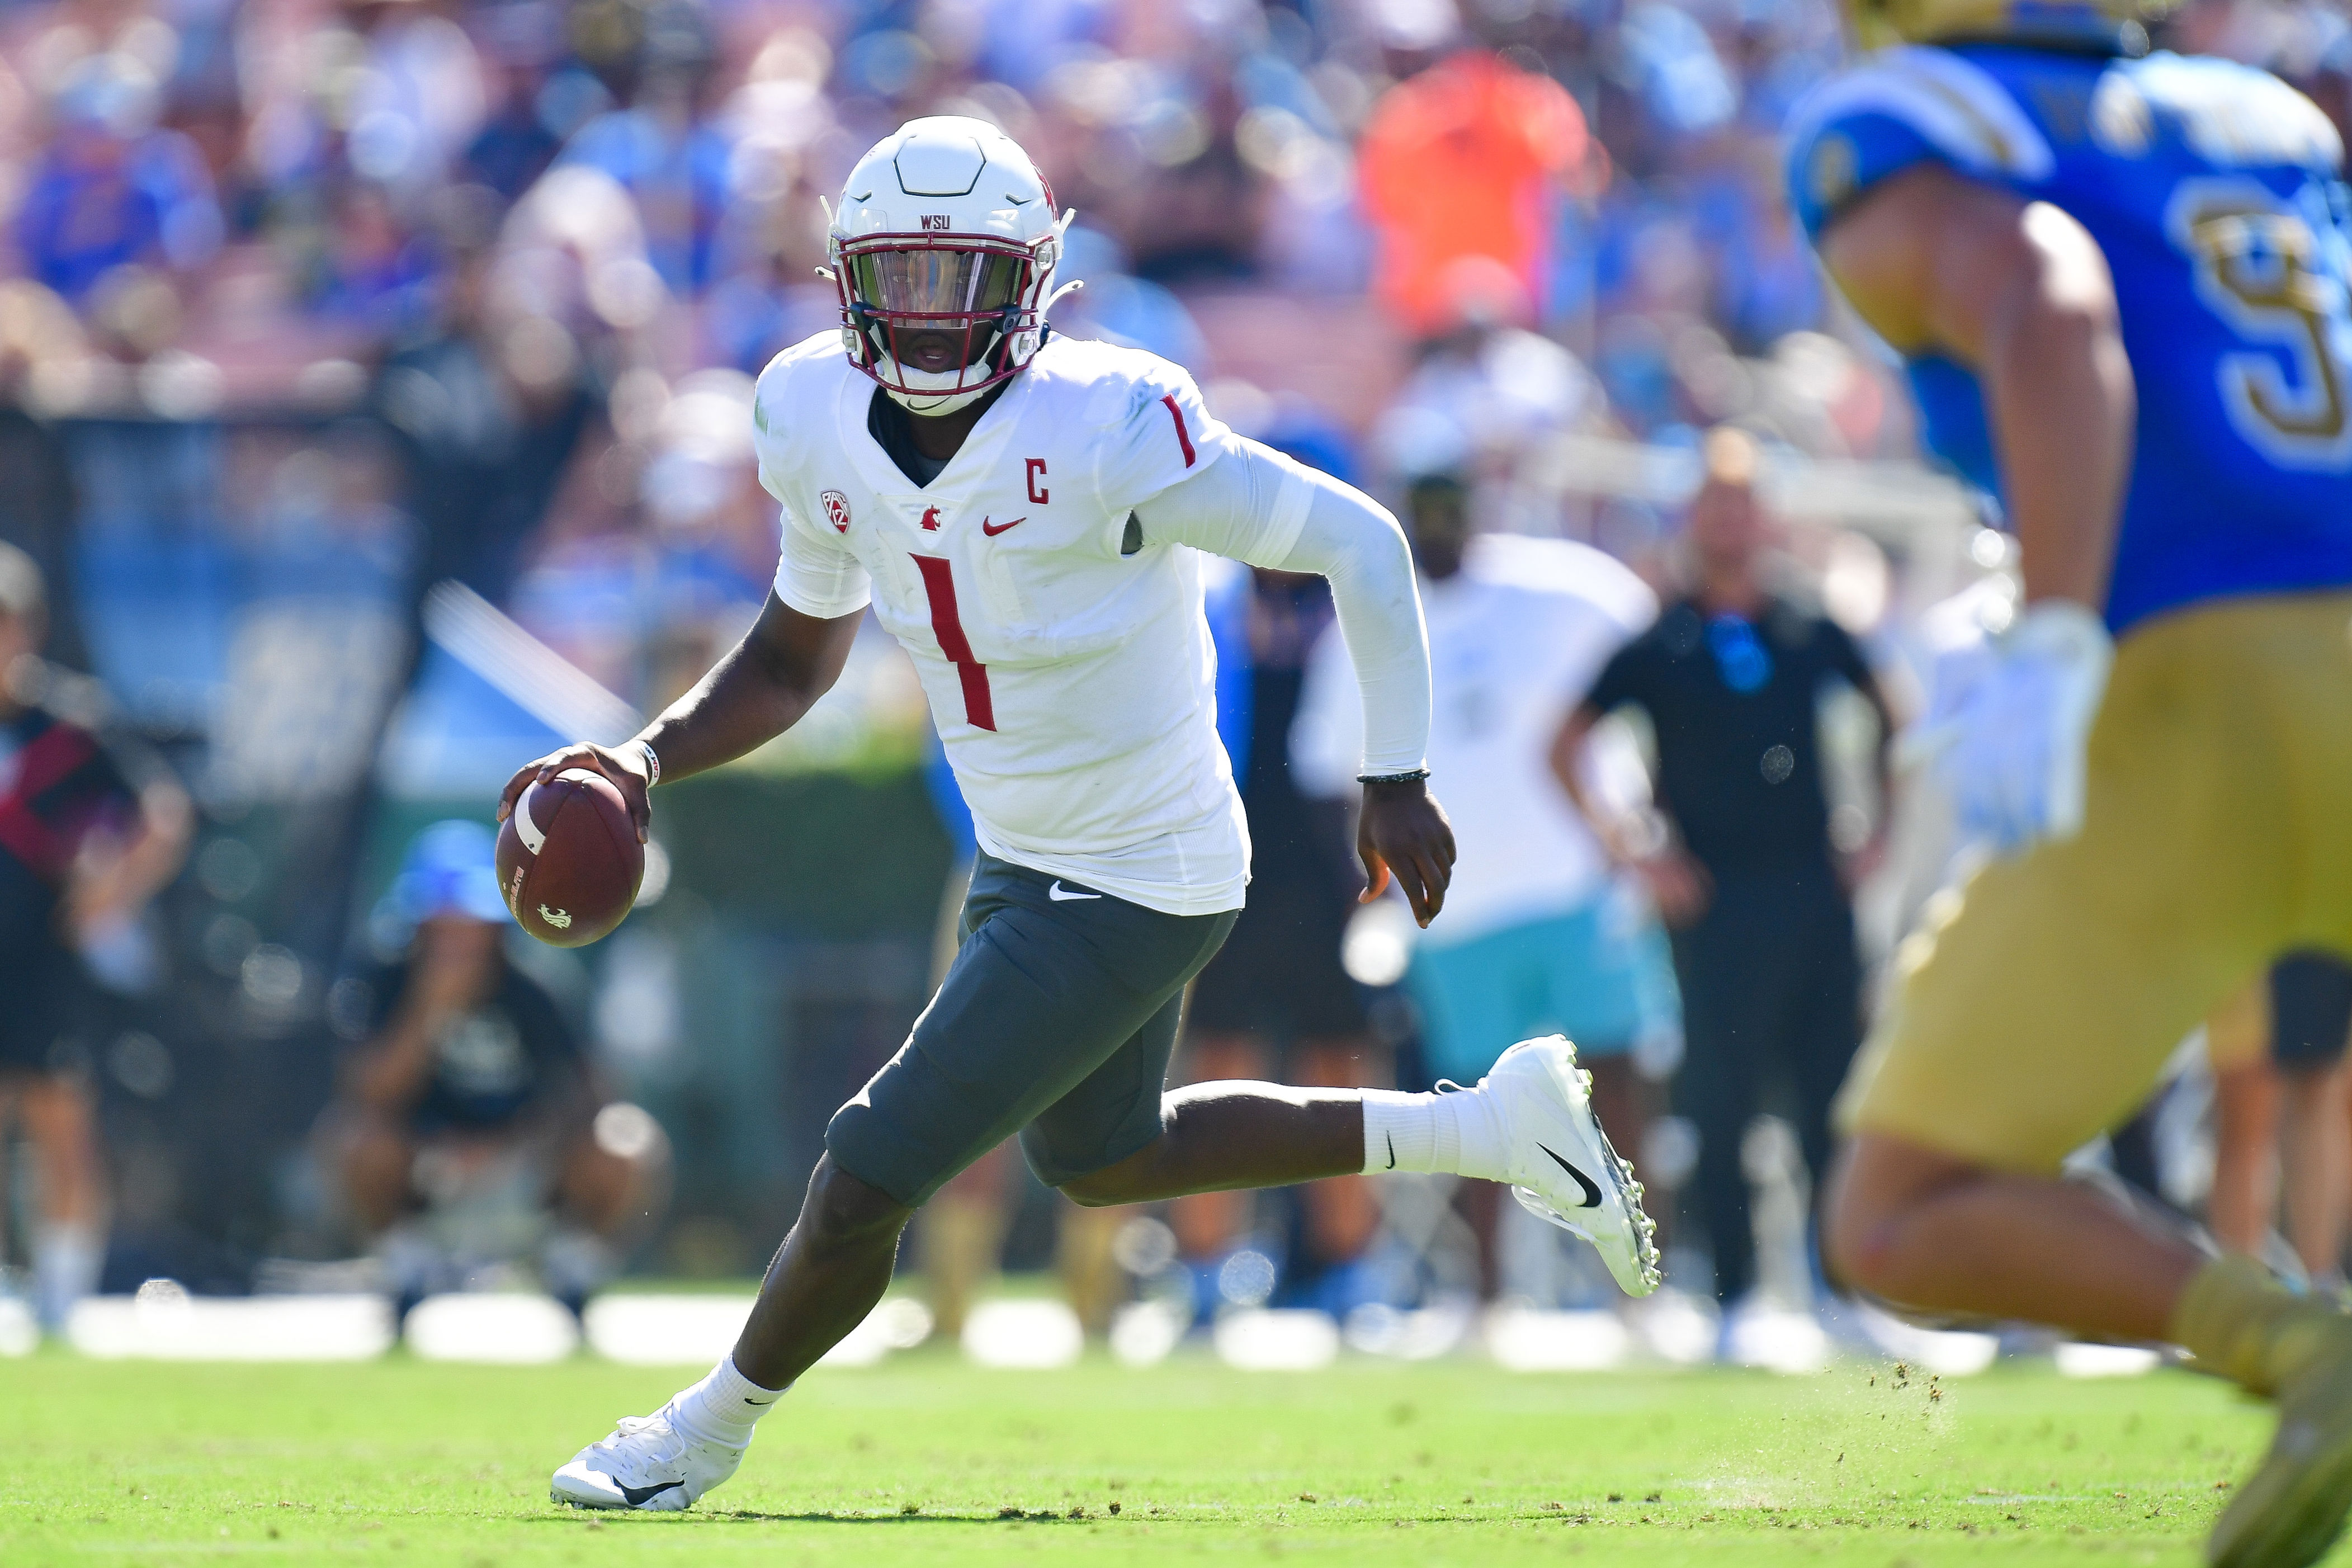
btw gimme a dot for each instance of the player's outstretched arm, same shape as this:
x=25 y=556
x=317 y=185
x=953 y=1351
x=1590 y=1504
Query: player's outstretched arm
x=2020 y=292
x=775 y=674
x=1253 y=504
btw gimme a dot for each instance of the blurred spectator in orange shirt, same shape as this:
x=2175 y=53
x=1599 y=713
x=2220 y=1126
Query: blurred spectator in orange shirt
x=1459 y=164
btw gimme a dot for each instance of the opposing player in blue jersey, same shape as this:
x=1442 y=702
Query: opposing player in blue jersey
x=2119 y=280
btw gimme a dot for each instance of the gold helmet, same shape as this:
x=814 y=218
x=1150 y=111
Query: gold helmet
x=1877 y=23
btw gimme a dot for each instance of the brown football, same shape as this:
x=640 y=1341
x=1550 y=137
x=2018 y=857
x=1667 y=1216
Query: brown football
x=568 y=860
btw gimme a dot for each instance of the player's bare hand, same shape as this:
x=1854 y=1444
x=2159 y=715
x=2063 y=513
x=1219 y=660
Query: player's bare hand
x=1863 y=864
x=1679 y=885
x=1404 y=832
x=625 y=767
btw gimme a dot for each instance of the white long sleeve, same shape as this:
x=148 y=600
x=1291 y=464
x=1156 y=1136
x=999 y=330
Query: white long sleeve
x=1256 y=505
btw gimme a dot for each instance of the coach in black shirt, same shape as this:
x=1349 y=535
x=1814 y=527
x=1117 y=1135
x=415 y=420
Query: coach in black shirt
x=1742 y=859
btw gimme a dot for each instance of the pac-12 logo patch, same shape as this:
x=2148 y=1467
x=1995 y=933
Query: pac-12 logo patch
x=836 y=509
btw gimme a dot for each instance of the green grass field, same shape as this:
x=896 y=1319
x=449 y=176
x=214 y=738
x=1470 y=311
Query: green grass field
x=928 y=1461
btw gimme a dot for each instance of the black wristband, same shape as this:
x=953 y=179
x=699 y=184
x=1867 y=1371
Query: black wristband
x=1414 y=775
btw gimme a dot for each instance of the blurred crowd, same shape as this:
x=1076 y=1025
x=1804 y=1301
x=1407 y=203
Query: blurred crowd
x=474 y=294
x=548 y=245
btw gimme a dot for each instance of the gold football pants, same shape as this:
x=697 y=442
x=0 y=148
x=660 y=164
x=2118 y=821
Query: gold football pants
x=2038 y=1003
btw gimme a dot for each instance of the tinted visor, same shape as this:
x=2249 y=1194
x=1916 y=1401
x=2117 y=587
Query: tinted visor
x=941 y=282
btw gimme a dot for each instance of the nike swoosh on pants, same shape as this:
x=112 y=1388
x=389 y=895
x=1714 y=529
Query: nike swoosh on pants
x=1062 y=895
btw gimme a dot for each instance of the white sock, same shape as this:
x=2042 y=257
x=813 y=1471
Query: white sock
x=1460 y=1134
x=723 y=1407
x=66 y=1256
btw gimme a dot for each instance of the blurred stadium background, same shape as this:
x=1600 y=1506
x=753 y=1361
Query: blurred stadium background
x=373 y=391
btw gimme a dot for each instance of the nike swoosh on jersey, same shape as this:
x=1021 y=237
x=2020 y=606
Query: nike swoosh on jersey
x=638 y=1496
x=1001 y=526
x=1062 y=895
x=1592 y=1193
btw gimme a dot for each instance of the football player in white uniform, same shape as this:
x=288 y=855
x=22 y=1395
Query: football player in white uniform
x=1016 y=508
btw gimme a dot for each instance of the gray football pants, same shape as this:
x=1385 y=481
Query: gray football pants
x=1056 y=1020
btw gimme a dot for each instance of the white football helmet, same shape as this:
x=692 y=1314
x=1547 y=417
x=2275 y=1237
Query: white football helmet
x=946 y=226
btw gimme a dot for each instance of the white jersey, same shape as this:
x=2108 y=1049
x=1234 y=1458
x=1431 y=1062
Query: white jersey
x=1516 y=638
x=1072 y=685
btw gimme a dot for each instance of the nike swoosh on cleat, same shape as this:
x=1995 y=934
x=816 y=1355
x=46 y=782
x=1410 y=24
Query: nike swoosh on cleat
x=639 y=1496
x=1592 y=1193
x=759 y=1404
x=1001 y=526
x=1062 y=895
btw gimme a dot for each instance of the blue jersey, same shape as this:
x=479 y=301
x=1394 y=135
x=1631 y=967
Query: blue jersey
x=2212 y=189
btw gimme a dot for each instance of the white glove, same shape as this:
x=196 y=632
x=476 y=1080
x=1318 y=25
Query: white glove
x=2008 y=728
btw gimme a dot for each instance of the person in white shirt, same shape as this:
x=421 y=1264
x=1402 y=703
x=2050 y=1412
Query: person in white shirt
x=1539 y=935
x=1022 y=512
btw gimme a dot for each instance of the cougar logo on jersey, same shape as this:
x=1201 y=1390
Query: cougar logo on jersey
x=836 y=510
x=930 y=520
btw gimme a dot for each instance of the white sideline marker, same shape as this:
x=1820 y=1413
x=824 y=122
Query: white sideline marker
x=1029 y=1336
x=1283 y=1339
x=1524 y=1339
x=499 y=1329
x=648 y=1330
x=1144 y=1333
x=163 y=1322
x=1677 y=1327
x=1418 y=1333
x=2077 y=1359
x=654 y=1329
x=19 y=1334
x=1777 y=1340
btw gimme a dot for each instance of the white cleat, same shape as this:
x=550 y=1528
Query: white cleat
x=1561 y=1167
x=647 y=1465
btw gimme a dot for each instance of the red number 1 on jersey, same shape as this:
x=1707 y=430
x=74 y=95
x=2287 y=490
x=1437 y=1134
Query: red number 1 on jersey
x=947 y=624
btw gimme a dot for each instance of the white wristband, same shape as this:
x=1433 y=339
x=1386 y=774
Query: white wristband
x=653 y=763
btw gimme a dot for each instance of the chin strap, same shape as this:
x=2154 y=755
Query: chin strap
x=1072 y=287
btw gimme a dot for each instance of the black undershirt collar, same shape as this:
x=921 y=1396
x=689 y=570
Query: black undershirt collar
x=893 y=429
